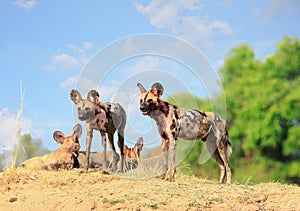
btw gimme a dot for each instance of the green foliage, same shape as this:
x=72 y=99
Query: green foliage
x=263 y=113
x=28 y=148
x=188 y=100
x=263 y=103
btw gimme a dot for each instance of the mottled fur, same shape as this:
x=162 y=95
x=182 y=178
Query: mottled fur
x=104 y=117
x=175 y=122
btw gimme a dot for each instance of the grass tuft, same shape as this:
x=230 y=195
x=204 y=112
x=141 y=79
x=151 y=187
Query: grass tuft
x=15 y=139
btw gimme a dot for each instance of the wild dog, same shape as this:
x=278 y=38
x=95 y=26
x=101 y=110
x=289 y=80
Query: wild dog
x=107 y=118
x=175 y=122
x=134 y=153
x=64 y=157
x=131 y=155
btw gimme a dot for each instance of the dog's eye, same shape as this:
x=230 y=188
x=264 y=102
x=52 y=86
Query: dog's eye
x=78 y=109
x=87 y=109
x=150 y=101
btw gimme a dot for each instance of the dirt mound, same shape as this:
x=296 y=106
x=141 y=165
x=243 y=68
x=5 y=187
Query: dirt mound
x=72 y=190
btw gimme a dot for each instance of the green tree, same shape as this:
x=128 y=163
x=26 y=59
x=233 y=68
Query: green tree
x=263 y=105
x=28 y=147
x=188 y=100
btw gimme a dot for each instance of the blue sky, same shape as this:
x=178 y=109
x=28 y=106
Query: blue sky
x=47 y=45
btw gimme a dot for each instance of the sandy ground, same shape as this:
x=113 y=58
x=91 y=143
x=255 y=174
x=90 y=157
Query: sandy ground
x=72 y=190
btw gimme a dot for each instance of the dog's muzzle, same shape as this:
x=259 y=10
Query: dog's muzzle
x=144 y=109
x=82 y=116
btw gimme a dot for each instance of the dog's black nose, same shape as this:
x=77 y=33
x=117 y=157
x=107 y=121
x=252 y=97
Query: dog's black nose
x=142 y=107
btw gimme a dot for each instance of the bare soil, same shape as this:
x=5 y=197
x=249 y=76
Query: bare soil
x=72 y=190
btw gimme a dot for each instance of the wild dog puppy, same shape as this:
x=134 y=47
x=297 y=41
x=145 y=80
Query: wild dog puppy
x=64 y=157
x=104 y=117
x=131 y=155
x=175 y=122
x=134 y=153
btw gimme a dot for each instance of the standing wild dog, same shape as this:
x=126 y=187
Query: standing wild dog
x=65 y=157
x=175 y=122
x=104 y=117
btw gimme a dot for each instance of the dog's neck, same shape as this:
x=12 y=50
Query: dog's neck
x=161 y=109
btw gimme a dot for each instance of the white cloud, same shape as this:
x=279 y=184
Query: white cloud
x=106 y=92
x=276 y=9
x=26 y=4
x=167 y=14
x=65 y=60
x=71 y=81
x=7 y=124
x=222 y=26
x=85 y=84
x=86 y=46
x=142 y=64
x=76 y=57
x=217 y=64
x=185 y=19
x=226 y=3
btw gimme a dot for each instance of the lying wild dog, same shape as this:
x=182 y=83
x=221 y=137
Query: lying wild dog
x=175 y=122
x=131 y=155
x=65 y=157
x=104 y=117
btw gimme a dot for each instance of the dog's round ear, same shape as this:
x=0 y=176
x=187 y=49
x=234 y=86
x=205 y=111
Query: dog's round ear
x=59 y=137
x=77 y=130
x=140 y=141
x=75 y=96
x=157 y=89
x=142 y=89
x=93 y=96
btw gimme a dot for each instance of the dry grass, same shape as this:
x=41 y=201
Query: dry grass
x=147 y=168
x=15 y=138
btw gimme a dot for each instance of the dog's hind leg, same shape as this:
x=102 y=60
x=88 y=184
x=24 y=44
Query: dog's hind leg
x=112 y=147
x=211 y=144
x=224 y=150
x=121 y=129
x=121 y=147
x=217 y=157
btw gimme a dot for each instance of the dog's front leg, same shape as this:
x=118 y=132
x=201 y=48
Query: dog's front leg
x=89 y=138
x=165 y=149
x=105 y=163
x=172 y=148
